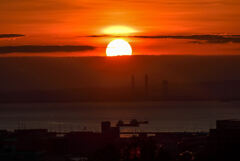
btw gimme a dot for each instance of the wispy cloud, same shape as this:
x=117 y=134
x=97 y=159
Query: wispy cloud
x=40 y=5
x=43 y=49
x=215 y=39
x=11 y=35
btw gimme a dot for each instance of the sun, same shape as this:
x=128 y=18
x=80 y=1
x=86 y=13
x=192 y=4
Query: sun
x=118 y=47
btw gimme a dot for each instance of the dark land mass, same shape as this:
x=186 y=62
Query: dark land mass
x=70 y=79
x=204 y=91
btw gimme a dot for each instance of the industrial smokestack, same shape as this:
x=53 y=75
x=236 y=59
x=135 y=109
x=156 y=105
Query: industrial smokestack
x=165 y=88
x=146 y=84
x=133 y=82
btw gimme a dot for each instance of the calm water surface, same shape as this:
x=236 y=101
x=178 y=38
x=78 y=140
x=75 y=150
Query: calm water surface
x=162 y=116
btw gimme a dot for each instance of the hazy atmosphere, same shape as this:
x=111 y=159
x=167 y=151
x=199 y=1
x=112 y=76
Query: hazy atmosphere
x=119 y=80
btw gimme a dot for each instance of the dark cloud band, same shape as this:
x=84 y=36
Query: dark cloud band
x=194 y=38
x=11 y=35
x=43 y=49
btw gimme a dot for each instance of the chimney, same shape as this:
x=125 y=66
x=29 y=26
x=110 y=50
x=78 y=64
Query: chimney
x=146 y=84
x=133 y=82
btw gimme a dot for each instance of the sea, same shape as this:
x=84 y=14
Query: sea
x=161 y=116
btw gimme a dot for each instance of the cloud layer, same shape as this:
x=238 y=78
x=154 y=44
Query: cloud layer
x=11 y=35
x=43 y=49
x=215 y=39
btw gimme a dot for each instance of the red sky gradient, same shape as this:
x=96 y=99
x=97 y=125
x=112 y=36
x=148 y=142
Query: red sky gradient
x=64 y=22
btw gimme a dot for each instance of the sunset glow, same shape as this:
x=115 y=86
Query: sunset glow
x=157 y=27
x=118 y=30
x=118 y=47
x=128 y=80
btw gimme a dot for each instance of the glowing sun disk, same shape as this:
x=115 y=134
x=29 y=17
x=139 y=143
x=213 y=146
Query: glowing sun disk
x=118 y=47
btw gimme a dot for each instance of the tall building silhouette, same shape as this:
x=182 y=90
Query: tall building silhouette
x=109 y=131
x=146 y=84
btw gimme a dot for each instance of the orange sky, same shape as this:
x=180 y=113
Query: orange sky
x=64 y=22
